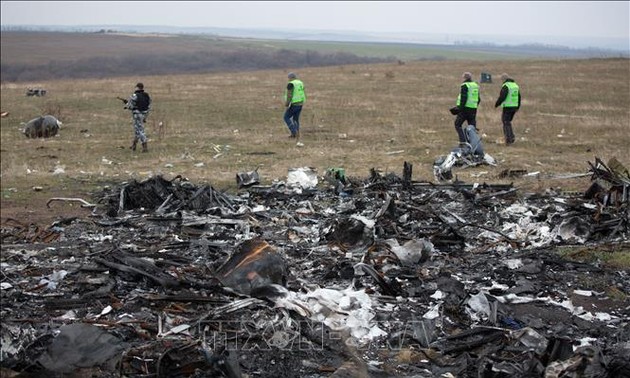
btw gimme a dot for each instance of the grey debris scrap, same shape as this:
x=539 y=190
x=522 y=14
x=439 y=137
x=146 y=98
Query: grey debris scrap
x=42 y=127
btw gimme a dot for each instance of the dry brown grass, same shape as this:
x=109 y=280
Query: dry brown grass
x=356 y=117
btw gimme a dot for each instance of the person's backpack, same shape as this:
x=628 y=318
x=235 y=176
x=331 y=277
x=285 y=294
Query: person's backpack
x=143 y=101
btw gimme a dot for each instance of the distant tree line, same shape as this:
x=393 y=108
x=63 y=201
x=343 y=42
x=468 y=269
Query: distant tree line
x=544 y=50
x=161 y=64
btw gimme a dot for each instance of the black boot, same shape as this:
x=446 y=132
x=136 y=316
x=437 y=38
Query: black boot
x=134 y=144
x=144 y=147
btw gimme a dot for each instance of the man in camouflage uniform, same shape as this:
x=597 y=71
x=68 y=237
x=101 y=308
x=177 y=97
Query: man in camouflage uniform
x=140 y=104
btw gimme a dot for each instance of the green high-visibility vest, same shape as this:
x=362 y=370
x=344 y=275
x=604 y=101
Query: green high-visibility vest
x=511 y=101
x=473 y=95
x=298 y=92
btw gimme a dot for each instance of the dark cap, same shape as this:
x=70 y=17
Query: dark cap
x=291 y=75
x=140 y=86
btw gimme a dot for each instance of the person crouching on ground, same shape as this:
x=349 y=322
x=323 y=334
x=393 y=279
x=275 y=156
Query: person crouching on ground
x=294 y=99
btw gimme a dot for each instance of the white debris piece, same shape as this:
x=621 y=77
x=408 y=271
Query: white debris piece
x=304 y=177
x=437 y=295
x=105 y=311
x=344 y=310
x=513 y=263
x=369 y=223
x=433 y=313
x=584 y=293
x=412 y=251
x=60 y=169
x=478 y=306
x=52 y=280
x=586 y=341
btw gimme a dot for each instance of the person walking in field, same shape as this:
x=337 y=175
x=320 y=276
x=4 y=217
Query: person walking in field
x=294 y=99
x=467 y=103
x=510 y=100
x=140 y=105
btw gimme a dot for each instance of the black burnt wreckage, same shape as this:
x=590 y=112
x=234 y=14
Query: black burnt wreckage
x=374 y=277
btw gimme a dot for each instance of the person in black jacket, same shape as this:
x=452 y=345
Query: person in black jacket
x=467 y=103
x=140 y=105
x=510 y=100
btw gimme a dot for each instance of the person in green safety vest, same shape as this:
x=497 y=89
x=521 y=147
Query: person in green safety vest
x=510 y=100
x=467 y=103
x=294 y=99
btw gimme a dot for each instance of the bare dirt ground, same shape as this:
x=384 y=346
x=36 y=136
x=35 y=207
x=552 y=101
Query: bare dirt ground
x=40 y=211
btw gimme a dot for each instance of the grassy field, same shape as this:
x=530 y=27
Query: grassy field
x=356 y=117
x=28 y=48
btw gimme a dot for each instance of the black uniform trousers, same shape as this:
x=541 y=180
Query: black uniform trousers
x=469 y=115
x=506 y=117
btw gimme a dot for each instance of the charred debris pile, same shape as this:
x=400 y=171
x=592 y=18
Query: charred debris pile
x=377 y=277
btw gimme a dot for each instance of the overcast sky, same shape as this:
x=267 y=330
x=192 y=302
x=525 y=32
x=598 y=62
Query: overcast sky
x=523 y=18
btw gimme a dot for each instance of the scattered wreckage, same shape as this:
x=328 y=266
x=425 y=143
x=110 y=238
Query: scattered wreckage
x=35 y=92
x=45 y=126
x=468 y=154
x=377 y=277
